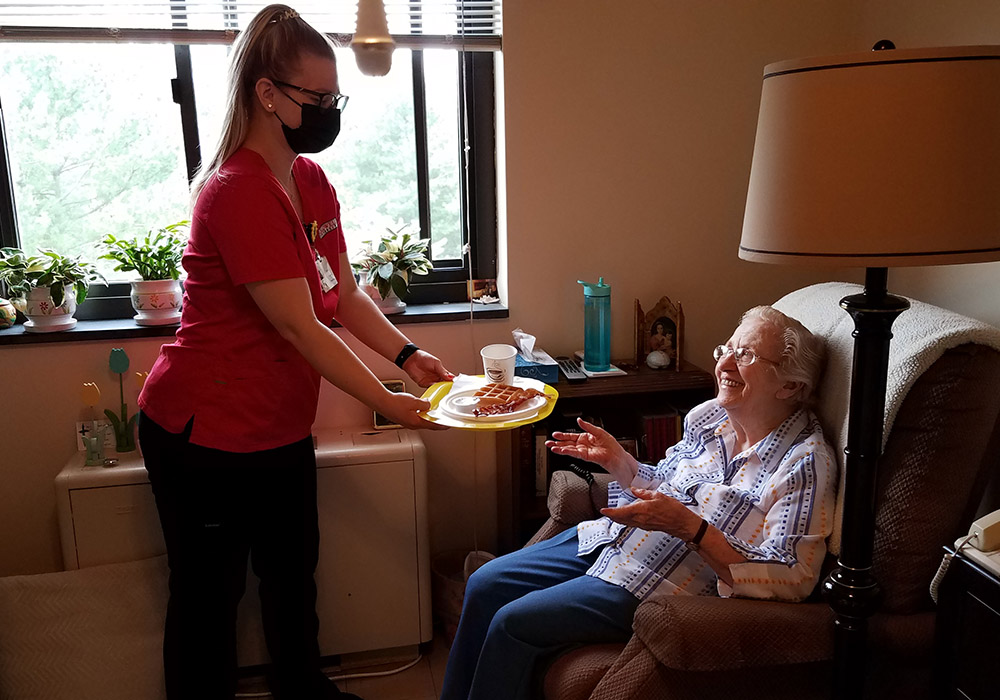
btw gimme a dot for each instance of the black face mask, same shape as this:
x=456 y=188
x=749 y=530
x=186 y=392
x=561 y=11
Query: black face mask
x=318 y=131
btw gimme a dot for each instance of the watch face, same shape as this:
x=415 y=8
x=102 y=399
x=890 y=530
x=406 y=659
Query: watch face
x=693 y=546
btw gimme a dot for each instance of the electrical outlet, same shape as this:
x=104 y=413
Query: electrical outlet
x=84 y=428
x=87 y=427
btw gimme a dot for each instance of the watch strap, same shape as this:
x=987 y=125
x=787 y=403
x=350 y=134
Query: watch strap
x=695 y=542
x=405 y=353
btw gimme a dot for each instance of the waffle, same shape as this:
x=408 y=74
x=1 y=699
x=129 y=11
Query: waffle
x=494 y=399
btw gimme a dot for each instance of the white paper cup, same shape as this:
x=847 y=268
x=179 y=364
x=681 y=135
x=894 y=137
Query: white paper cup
x=498 y=363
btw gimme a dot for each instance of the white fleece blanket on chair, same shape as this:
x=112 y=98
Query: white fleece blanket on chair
x=920 y=336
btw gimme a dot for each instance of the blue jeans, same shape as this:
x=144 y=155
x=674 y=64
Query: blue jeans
x=524 y=607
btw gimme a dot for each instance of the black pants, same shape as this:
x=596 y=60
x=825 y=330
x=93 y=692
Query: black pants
x=216 y=509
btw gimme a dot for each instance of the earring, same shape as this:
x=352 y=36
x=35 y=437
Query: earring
x=269 y=105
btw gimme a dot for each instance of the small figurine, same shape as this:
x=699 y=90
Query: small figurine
x=8 y=314
x=93 y=439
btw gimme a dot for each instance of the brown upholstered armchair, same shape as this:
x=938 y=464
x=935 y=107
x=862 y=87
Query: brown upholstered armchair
x=939 y=458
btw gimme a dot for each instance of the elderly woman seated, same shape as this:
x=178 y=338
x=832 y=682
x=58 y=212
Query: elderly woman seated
x=741 y=506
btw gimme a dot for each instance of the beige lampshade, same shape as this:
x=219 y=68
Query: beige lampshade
x=877 y=159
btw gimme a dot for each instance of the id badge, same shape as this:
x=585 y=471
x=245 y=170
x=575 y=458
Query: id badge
x=327 y=279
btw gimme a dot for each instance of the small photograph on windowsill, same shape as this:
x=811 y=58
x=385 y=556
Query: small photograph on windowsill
x=483 y=291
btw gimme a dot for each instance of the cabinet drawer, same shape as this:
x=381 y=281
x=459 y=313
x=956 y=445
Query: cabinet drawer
x=115 y=523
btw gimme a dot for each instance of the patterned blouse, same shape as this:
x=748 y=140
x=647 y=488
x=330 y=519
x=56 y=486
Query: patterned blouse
x=774 y=502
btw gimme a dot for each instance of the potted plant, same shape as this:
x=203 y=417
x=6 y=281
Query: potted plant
x=156 y=258
x=47 y=287
x=385 y=271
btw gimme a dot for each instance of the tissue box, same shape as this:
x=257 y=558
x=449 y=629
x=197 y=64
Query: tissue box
x=536 y=370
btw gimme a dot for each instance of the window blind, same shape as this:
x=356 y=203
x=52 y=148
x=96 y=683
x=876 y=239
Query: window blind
x=469 y=24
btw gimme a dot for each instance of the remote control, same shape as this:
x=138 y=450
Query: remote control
x=571 y=369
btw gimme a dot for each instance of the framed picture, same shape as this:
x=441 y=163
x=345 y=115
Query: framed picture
x=483 y=291
x=659 y=333
x=395 y=386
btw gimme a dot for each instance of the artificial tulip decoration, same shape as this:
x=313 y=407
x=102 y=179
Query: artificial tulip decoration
x=90 y=394
x=124 y=426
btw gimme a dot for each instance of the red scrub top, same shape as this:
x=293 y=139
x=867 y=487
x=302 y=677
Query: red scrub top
x=247 y=388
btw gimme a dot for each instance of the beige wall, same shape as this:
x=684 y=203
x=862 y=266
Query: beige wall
x=970 y=289
x=628 y=137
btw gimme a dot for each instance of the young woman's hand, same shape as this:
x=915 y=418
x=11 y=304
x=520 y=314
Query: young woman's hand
x=598 y=446
x=425 y=369
x=402 y=408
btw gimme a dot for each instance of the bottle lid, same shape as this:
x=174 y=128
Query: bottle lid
x=595 y=290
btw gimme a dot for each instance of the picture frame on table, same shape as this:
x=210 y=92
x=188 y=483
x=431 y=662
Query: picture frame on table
x=659 y=334
x=483 y=291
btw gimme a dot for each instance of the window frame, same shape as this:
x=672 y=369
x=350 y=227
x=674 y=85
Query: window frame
x=447 y=283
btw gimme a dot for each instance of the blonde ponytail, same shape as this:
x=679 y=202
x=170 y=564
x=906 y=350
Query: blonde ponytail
x=270 y=47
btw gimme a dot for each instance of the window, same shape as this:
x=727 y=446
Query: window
x=104 y=137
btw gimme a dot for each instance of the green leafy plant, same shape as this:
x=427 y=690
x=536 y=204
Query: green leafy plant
x=390 y=266
x=21 y=273
x=155 y=256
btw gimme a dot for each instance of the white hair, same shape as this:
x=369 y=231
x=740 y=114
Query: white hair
x=803 y=354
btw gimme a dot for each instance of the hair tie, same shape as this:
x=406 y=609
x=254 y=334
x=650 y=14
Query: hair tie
x=286 y=14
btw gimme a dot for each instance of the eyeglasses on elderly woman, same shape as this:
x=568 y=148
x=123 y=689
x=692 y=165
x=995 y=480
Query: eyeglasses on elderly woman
x=744 y=356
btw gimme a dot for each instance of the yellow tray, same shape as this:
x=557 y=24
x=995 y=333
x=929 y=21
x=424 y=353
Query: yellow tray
x=436 y=392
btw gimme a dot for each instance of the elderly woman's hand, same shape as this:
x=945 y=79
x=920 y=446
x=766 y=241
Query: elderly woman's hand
x=656 y=511
x=598 y=446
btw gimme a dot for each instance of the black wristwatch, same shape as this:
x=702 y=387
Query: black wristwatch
x=405 y=353
x=695 y=543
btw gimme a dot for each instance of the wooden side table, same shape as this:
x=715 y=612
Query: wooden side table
x=967 y=635
x=618 y=401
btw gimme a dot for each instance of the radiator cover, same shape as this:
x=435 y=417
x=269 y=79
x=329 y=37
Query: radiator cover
x=373 y=577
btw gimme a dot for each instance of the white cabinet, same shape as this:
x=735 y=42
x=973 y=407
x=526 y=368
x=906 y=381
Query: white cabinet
x=107 y=514
x=373 y=577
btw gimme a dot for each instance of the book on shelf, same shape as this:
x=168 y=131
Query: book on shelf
x=541 y=465
x=660 y=432
x=631 y=446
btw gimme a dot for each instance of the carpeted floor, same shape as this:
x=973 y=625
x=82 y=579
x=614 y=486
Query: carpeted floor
x=422 y=681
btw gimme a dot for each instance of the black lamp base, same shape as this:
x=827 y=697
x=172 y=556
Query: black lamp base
x=851 y=589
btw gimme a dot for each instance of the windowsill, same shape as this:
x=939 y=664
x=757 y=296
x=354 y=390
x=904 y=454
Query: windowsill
x=126 y=328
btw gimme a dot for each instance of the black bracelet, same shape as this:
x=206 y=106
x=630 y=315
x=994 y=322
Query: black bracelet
x=695 y=543
x=405 y=353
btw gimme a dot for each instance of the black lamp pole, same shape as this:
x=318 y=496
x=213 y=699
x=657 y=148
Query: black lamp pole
x=851 y=588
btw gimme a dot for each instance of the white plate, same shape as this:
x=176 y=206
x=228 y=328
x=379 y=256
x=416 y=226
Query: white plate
x=462 y=404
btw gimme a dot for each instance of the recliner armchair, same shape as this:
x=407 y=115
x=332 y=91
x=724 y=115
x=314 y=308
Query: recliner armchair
x=939 y=457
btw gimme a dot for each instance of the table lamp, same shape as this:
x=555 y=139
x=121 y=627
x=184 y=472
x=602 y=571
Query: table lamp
x=879 y=159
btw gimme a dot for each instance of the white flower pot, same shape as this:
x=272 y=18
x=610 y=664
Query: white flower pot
x=390 y=305
x=44 y=316
x=157 y=302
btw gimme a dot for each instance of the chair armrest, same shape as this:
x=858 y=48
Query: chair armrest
x=706 y=633
x=572 y=500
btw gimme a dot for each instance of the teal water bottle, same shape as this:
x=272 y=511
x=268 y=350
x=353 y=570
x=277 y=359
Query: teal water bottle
x=596 y=325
